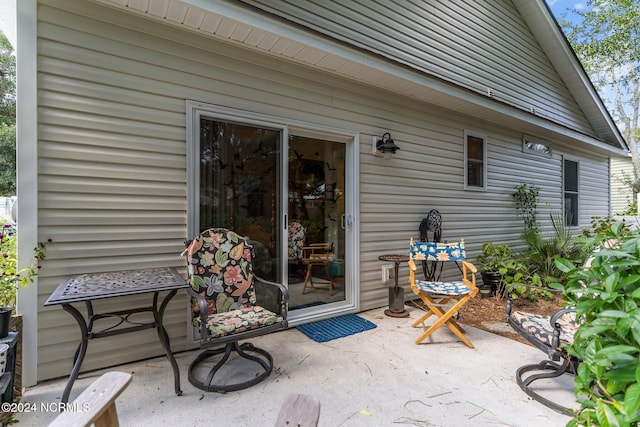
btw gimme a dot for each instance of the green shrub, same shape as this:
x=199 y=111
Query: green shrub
x=10 y=277
x=606 y=295
x=542 y=252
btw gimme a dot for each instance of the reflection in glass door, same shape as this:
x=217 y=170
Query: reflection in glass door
x=316 y=208
x=240 y=187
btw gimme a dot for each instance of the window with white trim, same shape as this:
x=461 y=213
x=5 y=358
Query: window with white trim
x=475 y=161
x=570 y=183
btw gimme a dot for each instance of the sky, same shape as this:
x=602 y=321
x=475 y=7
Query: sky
x=562 y=8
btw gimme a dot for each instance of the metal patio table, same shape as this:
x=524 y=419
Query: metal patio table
x=86 y=288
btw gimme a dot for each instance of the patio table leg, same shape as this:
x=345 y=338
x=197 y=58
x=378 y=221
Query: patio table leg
x=80 y=353
x=164 y=337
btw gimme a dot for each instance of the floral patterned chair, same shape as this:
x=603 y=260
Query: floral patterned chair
x=550 y=334
x=229 y=304
x=437 y=295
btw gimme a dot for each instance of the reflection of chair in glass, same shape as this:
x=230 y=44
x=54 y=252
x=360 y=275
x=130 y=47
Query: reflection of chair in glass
x=260 y=239
x=437 y=295
x=295 y=243
x=318 y=255
x=225 y=296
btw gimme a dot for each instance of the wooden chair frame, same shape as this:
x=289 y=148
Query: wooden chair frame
x=436 y=302
x=318 y=255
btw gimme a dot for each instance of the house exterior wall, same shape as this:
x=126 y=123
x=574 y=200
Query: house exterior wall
x=621 y=195
x=112 y=160
x=479 y=45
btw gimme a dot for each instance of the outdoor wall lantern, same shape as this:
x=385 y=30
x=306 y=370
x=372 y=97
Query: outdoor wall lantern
x=385 y=146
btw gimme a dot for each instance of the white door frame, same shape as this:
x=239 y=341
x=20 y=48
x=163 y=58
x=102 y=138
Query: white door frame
x=195 y=110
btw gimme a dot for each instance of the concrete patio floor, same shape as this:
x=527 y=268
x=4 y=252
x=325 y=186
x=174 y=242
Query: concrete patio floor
x=375 y=378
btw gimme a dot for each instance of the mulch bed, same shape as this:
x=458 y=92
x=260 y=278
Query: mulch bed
x=480 y=311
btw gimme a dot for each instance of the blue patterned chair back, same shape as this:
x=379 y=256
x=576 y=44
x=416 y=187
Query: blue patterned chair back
x=220 y=269
x=437 y=251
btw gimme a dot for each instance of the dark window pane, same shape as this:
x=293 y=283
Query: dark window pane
x=475 y=161
x=475 y=148
x=570 y=176
x=571 y=192
x=239 y=178
x=475 y=174
x=571 y=209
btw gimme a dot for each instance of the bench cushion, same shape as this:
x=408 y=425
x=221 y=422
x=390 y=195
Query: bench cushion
x=540 y=328
x=443 y=288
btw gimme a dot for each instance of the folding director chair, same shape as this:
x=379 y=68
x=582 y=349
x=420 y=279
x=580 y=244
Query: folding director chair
x=437 y=295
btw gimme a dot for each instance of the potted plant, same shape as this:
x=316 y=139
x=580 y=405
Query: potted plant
x=498 y=266
x=10 y=277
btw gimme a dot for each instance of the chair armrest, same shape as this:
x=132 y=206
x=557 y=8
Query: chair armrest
x=560 y=313
x=204 y=311
x=469 y=269
x=557 y=329
x=272 y=296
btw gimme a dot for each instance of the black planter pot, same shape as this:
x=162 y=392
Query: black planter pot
x=492 y=280
x=485 y=291
x=5 y=320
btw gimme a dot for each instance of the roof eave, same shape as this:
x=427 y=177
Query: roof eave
x=235 y=20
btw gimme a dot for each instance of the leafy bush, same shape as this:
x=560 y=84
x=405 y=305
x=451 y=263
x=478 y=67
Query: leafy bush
x=526 y=196
x=511 y=267
x=606 y=295
x=10 y=277
x=542 y=252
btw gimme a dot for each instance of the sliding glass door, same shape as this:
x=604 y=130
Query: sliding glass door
x=264 y=180
x=316 y=190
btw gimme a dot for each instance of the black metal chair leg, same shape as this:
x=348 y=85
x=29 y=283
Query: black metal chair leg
x=259 y=356
x=554 y=370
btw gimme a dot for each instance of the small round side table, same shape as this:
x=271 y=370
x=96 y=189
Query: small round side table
x=396 y=293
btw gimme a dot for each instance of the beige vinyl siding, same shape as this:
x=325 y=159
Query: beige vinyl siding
x=593 y=190
x=112 y=168
x=621 y=195
x=479 y=45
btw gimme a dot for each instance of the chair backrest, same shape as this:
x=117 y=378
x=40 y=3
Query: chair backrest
x=432 y=223
x=437 y=251
x=220 y=269
x=295 y=241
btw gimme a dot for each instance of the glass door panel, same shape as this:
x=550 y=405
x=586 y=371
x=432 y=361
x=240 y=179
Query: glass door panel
x=254 y=182
x=316 y=191
x=240 y=187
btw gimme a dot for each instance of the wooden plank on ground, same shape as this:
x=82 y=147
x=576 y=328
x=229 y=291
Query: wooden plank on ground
x=299 y=410
x=97 y=404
